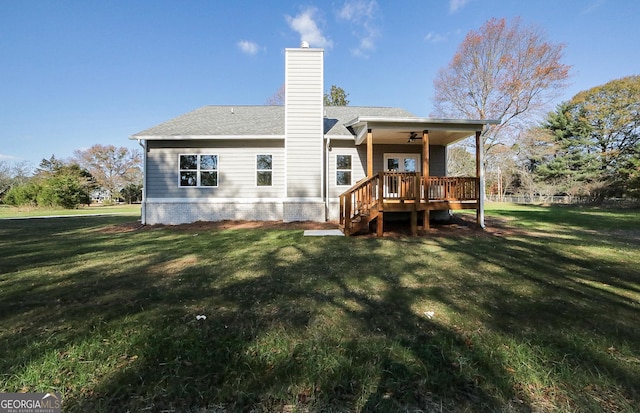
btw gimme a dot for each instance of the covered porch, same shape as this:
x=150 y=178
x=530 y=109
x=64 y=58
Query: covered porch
x=393 y=189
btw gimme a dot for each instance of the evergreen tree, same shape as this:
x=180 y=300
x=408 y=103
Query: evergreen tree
x=336 y=97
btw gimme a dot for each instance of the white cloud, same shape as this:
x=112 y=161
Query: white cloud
x=248 y=47
x=305 y=24
x=4 y=157
x=455 y=5
x=357 y=9
x=432 y=37
x=362 y=14
x=591 y=7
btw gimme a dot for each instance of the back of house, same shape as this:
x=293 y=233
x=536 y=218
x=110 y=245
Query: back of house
x=287 y=163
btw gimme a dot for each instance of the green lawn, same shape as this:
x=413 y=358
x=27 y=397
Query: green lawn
x=542 y=315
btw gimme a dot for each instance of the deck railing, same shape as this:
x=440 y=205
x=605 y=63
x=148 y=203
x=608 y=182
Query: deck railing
x=403 y=187
x=452 y=188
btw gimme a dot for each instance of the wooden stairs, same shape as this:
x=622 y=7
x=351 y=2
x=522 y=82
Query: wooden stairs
x=360 y=223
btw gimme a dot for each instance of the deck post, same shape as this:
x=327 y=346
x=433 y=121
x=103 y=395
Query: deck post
x=369 y=153
x=380 y=218
x=347 y=215
x=480 y=179
x=425 y=174
x=414 y=221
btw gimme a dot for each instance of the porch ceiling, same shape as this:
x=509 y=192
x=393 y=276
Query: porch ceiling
x=397 y=130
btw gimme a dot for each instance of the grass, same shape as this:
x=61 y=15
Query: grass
x=541 y=316
x=28 y=212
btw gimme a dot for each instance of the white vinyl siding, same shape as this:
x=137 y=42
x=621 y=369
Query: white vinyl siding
x=236 y=169
x=304 y=122
x=358 y=167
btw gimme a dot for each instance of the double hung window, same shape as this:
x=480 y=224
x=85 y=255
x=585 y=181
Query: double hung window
x=264 y=170
x=343 y=170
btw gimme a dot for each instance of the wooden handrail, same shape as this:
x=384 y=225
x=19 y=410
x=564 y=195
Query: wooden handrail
x=358 y=199
x=451 y=188
x=402 y=187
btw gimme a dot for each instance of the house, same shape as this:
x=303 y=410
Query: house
x=304 y=161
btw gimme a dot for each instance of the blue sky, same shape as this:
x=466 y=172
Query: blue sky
x=77 y=73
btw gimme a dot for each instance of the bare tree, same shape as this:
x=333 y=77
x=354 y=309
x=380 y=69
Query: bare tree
x=277 y=99
x=460 y=162
x=502 y=71
x=113 y=168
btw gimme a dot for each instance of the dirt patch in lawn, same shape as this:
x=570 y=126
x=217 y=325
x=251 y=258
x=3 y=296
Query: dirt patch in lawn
x=459 y=225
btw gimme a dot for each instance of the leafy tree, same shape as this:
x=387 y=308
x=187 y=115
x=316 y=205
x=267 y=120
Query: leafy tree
x=132 y=193
x=336 y=97
x=573 y=165
x=112 y=168
x=49 y=166
x=633 y=177
x=67 y=189
x=502 y=71
x=610 y=114
x=597 y=135
x=23 y=195
x=11 y=175
x=56 y=184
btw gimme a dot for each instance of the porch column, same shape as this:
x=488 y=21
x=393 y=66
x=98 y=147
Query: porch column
x=480 y=180
x=425 y=176
x=369 y=153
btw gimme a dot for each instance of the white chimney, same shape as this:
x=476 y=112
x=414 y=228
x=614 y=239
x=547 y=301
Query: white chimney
x=304 y=130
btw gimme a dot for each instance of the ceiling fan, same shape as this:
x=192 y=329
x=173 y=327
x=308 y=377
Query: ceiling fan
x=412 y=137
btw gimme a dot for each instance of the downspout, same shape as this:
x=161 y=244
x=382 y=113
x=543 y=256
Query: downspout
x=327 y=204
x=143 y=212
x=480 y=177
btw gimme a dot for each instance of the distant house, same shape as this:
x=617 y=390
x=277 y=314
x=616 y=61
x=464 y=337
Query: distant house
x=304 y=161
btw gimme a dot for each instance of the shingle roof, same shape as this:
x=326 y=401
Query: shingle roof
x=257 y=121
x=337 y=116
x=223 y=121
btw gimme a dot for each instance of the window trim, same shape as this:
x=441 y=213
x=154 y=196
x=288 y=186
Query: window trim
x=263 y=170
x=344 y=170
x=198 y=170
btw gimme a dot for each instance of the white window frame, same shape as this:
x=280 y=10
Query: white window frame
x=344 y=170
x=199 y=170
x=264 y=170
x=402 y=157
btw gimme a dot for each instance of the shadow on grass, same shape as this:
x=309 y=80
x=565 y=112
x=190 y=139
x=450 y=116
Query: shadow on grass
x=109 y=319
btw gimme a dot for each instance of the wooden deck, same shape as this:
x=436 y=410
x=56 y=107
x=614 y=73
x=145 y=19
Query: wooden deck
x=369 y=199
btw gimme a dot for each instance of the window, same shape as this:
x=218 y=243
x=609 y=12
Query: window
x=264 y=170
x=198 y=170
x=343 y=170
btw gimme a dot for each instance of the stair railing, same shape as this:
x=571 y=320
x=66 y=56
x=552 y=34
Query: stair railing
x=358 y=200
